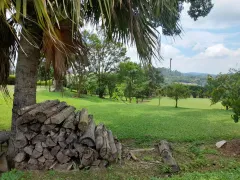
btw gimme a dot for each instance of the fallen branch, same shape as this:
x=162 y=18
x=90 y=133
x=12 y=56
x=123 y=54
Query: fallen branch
x=166 y=154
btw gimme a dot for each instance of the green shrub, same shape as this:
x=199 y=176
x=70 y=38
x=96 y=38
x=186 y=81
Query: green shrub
x=12 y=175
x=11 y=80
x=43 y=83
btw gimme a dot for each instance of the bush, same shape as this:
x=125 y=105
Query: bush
x=12 y=175
x=11 y=80
x=43 y=83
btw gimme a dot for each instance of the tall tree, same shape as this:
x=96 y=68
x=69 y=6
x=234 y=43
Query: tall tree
x=160 y=92
x=225 y=88
x=104 y=57
x=27 y=64
x=155 y=80
x=132 y=75
x=218 y=89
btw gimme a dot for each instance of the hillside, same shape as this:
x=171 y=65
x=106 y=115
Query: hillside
x=187 y=78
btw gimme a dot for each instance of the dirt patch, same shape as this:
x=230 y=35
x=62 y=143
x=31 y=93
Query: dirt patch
x=232 y=148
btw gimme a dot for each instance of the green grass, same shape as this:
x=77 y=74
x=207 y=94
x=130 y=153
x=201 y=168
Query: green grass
x=187 y=103
x=194 y=128
x=194 y=120
x=232 y=174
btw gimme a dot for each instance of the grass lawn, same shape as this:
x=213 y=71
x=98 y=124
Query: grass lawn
x=194 y=120
x=193 y=127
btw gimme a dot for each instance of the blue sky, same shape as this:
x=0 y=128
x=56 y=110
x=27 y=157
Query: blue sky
x=209 y=45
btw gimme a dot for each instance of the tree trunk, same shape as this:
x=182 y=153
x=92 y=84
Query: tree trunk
x=159 y=100
x=58 y=83
x=227 y=107
x=176 y=103
x=26 y=75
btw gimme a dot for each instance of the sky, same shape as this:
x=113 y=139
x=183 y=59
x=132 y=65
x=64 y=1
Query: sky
x=208 y=45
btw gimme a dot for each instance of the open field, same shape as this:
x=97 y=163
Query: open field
x=193 y=128
x=194 y=120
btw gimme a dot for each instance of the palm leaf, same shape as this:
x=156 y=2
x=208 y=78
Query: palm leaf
x=128 y=21
x=8 y=48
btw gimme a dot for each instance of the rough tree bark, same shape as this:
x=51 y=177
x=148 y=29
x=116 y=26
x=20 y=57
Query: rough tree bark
x=26 y=75
x=176 y=106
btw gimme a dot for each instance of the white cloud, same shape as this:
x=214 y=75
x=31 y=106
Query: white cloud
x=199 y=40
x=224 y=14
x=169 y=51
x=214 y=59
x=214 y=54
x=217 y=50
x=132 y=53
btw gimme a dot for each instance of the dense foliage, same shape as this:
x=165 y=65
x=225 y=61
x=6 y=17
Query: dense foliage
x=110 y=72
x=225 y=88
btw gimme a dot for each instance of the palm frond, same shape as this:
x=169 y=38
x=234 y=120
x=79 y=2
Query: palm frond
x=8 y=48
x=136 y=21
x=128 y=21
x=58 y=53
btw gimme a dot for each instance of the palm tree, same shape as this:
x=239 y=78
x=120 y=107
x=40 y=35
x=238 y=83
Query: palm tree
x=53 y=26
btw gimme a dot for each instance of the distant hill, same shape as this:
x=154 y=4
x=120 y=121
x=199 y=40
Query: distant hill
x=197 y=74
x=191 y=78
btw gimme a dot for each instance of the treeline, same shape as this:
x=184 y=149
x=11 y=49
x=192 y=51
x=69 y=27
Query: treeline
x=107 y=72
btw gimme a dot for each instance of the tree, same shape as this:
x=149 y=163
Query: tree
x=131 y=74
x=111 y=82
x=218 y=89
x=104 y=57
x=155 y=79
x=141 y=85
x=44 y=75
x=91 y=84
x=177 y=92
x=119 y=91
x=225 y=88
x=160 y=92
x=233 y=93
x=197 y=91
x=80 y=74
